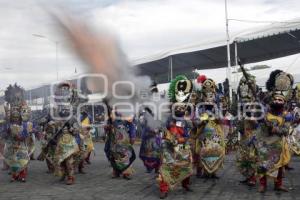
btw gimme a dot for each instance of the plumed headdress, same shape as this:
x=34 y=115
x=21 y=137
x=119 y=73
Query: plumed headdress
x=280 y=84
x=14 y=95
x=180 y=89
x=279 y=81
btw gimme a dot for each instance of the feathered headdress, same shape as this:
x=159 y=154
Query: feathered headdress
x=14 y=95
x=180 y=89
x=279 y=81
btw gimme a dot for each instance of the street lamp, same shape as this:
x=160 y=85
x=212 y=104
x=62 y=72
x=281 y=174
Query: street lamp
x=228 y=51
x=56 y=49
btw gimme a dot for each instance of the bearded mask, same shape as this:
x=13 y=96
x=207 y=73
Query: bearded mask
x=179 y=109
x=278 y=100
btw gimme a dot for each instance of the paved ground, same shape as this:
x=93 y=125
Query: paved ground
x=97 y=184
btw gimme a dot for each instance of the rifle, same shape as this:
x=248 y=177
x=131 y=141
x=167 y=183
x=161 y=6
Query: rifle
x=246 y=75
x=52 y=141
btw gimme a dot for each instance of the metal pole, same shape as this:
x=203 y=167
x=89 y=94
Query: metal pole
x=56 y=46
x=171 y=67
x=93 y=113
x=236 y=64
x=30 y=100
x=228 y=52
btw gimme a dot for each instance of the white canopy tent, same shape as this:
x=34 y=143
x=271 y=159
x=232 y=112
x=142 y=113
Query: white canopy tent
x=259 y=44
x=255 y=45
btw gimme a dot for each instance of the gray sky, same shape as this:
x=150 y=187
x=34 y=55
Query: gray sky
x=143 y=27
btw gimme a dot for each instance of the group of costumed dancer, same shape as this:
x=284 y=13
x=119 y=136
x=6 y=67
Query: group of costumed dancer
x=193 y=139
x=66 y=143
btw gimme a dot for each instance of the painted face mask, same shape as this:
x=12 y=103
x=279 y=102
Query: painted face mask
x=15 y=114
x=64 y=99
x=209 y=91
x=183 y=90
x=224 y=102
x=283 y=86
x=25 y=113
x=244 y=91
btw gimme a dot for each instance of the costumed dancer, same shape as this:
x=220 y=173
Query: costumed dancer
x=210 y=134
x=272 y=146
x=176 y=156
x=294 y=138
x=2 y=139
x=86 y=139
x=151 y=138
x=31 y=140
x=248 y=127
x=121 y=133
x=50 y=128
x=66 y=138
x=227 y=121
x=16 y=148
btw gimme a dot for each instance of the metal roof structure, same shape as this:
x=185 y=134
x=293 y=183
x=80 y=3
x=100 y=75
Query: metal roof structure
x=259 y=44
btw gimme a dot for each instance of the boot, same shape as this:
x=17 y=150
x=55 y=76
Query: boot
x=32 y=157
x=70 y=180
x=252 y=181
x=164 y=188
x=214 y=176
x=199 y=173
x=288 y=168
x=126 y=177
x=80 y=168
x=185 y=184
x=22 y=175
x=115 y=174
x=281 y=189
x=14 y=177
x=87 y=159
x=262 y=184
x=244 y=181
x=278 y=182
x=188 y=189
x=163 y=195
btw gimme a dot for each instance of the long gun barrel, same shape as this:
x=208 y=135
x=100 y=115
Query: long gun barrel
x=246 y=75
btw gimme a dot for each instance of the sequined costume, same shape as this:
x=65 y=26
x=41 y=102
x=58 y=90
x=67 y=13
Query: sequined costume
x=273 y=149
x=19 y=129
x=50 y=127
x=210 y=135
x=66 y=137
x=120 y=152
x=86 y=142
x=176 y=156
x=248 y=126
x=294 y=136
x=151 y=133
x=151 y=142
